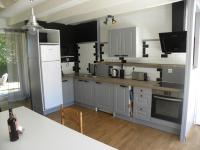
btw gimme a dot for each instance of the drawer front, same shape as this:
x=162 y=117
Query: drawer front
x=143 y=99
x=142 y=112
x=140 y=91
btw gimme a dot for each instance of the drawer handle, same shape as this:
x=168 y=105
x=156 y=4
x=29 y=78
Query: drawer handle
x=123 y=86
x=64 y=80
x=80 y=80
x=86 y=81
x=98 y=82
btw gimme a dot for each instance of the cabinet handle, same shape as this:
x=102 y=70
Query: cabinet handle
x=64 y=80
x=123 y=86
x=141 y=90
x=86 y=81
x=141 y=108
x=98 y=82
x=80 y=80
x=124 y=55
x=116 y=55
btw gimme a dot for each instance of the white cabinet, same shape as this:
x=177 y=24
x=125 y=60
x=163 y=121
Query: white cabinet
x=84 y=92
x=104 y=96
x=125 y=42
x=142 y=103
x=115 y=43
x=121 y=101
x=68 y=91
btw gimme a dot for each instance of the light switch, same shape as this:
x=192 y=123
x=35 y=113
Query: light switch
x=170 y=70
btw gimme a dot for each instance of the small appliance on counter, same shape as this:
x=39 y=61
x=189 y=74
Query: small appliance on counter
x=121 y=73
x=141 y=76
x=91 y=69
x=102 y=70
x=114 y=73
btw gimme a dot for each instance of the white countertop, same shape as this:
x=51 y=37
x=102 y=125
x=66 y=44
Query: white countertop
x=42 y=133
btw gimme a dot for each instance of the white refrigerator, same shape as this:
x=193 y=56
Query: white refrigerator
x=51 y=76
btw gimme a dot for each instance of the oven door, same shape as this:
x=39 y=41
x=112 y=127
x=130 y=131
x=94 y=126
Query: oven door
x=166 y=108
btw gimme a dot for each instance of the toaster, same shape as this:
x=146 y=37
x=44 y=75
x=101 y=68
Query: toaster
x=141 y=76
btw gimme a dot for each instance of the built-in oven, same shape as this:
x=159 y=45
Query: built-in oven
x=166 y=108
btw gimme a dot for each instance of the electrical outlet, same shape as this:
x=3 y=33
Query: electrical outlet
x=170 y=70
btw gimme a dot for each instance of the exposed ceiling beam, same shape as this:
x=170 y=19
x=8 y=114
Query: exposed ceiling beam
x=14 y=7
x=45 y=9
x=117 y=10
x=73 y=11
x=67 y=8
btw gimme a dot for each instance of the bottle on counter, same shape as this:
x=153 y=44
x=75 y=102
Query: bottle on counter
x=12 y=127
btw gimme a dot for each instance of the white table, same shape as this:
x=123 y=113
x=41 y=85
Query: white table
x=42 y=133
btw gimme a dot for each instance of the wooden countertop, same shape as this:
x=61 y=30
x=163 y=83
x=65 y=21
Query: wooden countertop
x=127 y=82
x=145 y=65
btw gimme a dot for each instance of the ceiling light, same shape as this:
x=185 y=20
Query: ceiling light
x=32 y=24
x=110 y=17
x=113 y=20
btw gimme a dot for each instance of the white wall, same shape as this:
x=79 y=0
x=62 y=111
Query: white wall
x=150 y=22
x=3 y=23
x=86 y=52
x=67 y=67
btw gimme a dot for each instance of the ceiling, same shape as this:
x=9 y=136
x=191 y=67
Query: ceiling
x=6 y=3
x=73 y=11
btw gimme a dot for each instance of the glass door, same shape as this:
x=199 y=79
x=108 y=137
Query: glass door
x=14 y=79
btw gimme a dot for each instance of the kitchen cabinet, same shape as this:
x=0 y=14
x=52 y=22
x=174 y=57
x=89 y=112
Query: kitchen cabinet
x=86 y=32
x=68 y=91
x=124 y=42
x=84 y=92
x=121 y=101
x=104 y=96
x=115 y=43
x=142 y=103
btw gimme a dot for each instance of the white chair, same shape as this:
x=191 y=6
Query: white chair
x=4 y=79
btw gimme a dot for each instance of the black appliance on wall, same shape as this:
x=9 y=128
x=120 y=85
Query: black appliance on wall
x=173 y=42
x=166 y=108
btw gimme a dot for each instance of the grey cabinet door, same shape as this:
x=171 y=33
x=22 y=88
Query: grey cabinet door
x=121 y=100
x=84 y=92
x=104 y=96
x=78 y=92
x=114 y=42
x=128 y=42
x=87 y=94
x=68 y=91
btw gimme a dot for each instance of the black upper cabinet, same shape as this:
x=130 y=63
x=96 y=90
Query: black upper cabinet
x=86 y=32
x=72 y=34
x=178 y=15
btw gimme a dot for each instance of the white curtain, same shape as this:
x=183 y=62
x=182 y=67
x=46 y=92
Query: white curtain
x=17 y=66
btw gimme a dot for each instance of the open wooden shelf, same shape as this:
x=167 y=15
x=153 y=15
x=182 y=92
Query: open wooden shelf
x=145 y=65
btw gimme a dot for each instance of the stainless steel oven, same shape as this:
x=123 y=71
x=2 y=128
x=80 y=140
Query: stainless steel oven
x=166 y=108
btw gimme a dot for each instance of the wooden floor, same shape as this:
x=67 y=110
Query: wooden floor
x=124 y=135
